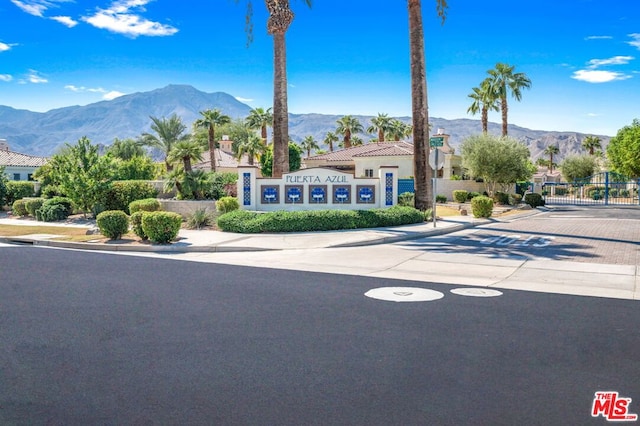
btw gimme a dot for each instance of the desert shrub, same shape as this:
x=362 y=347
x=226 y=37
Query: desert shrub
x=199 y=219
x=472 y=195
x=121 y=193
x=161 y=227
x=406 y=199
x=501 y=198
x=17 y=190
x=460 y=195
x=113 y=223
x=32 y=205
x=428 y=215
x=515 y=199
x=223 y=185
x=56 y=208
x=243 y=221
x=441 y=198
x=534 y=199
x=18 y=208
x=227 y=204
x=136 y=224
x=146 y=204
x=482 y=206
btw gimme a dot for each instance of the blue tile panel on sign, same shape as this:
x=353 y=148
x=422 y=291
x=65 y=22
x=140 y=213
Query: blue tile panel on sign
x=246 y=182
x=388 y=189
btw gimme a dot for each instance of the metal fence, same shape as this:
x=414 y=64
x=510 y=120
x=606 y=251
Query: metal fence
x=603 y=189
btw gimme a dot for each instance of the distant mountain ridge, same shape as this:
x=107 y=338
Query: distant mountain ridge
x=127 y=116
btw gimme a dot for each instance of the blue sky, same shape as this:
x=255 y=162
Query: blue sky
x=344 y=57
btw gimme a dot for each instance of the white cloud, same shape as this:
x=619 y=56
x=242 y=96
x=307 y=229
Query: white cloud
x=598 y=76
x=636 y=40
x=37 y=7
x=65 y=20
x=119 y=18
x=112 y=95
x=4 y=47
x=616 y=60
x=35 y=78
x=238 y=98
x=598 y=38
x=5 y=77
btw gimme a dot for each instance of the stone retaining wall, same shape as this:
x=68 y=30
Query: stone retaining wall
x=186 y=208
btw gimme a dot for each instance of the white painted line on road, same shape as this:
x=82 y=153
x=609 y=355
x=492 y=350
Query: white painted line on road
x=476 y=292
x=404 y=294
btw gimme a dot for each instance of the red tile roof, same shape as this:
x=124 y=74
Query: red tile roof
x=10 y=158
x=386 y=148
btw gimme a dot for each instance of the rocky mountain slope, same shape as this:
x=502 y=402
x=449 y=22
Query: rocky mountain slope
x=128 y=116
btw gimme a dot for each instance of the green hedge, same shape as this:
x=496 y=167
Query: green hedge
x=460 y=195
x=33 y=205
x=113 y=223
x=123 y=192
x=534 y=199
x=17 y=190
x=161 y=227
x=227 y=204
x=145 y=205
x=18 y=208
x=56 y=208
x=136 y=224
x=242 y=221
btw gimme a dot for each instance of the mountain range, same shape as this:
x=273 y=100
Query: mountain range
x=128 y=116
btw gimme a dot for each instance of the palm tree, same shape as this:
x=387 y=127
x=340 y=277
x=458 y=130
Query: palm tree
x=347 y=126
x=356 y=141
x=185 y=151
x=484 y=99
x=551 y=150
x=210 y=119
x=126 y=149
x=380 y=124
x=253 y=146
x=591 y=143
x=329 y=139
x=420 y=115
x=168 y=133
x=308 y=144
x=399 y=130
x=504 y=80
x=260 y=119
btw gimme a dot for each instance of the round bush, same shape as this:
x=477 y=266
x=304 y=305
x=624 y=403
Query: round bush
x=482 y=206
x=534 y=199
x=161 y=227
x=113 y=223
x=18 y=208
x=227 y=204
x=441 y=199
x=460 y=195
x=146 y=205
x=32 y=205
x=122 y=193
x=136 y=224
x=51 y=212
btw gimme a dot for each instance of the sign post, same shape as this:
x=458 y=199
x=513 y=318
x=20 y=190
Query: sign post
x=435 y=142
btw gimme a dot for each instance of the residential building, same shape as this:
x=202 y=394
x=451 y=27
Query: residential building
x=18 y=166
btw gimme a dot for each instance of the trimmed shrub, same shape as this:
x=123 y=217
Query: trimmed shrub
x=501 y=198
x=441 y=198
x=472 y=195
x=56 y=208
x=146 y=205
x=515 y=199
x=482 y=206
x=243 y=221
x=17 y=190
x=460 y=195
x=161 y=227
x=18 y=208
x=534 y=199
x=406 y=199
x=122 y=193
x=32 y=205
x=136 y=224
x=113 y=223
x=227 y=204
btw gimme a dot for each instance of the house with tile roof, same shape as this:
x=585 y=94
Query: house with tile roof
x=18 y=166
x=225 y=160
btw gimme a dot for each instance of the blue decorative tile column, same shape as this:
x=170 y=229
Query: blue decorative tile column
x=247 y=187
x=388 y=176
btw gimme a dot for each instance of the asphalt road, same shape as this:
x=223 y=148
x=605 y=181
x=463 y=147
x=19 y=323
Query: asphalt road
x=94 y=338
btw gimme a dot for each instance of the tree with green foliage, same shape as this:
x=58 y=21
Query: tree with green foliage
x=139 y=167
x=485 y=99
x=329 y=139
x=348 y=126
x=591 y=143
x=260 y=119
x=503 y=81
x=499 y=161
x=398 y=130
x=551 y=150
x=169 y=131
x=126 y=149
x=82 y=174
x=209 y=120
x=308 y=144
x=623 y=150
x=380 y=125
x=295 y=159
x=185 y=151
x=576 y=167
x=253 y=146
x=3 y=186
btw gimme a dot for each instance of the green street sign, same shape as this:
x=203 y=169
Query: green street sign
x=436 y=142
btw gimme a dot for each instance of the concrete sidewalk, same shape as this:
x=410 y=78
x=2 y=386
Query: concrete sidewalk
x=209 y=241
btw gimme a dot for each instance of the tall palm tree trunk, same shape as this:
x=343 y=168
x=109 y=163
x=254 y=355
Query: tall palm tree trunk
x=422 y=170
x=485 y=120
x=347 y=139
x=212 y=148
x=505 y=110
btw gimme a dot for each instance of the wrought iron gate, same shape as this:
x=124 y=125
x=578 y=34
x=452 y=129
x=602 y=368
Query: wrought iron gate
x=604 y=189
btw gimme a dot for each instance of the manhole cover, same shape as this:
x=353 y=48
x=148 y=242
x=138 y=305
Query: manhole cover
x=476 y=292
x=404 y=294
